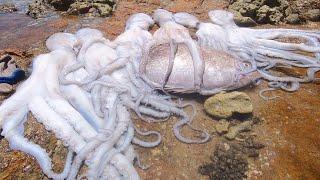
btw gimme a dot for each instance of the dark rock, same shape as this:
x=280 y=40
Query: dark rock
x=226 y=164
x=96 y=8
x=76 y=7
x=61 y=5
x=37 y=9
x=313 y=15
x=274 y=11
x=7 y=8
x=275 y=16
x=263 y=14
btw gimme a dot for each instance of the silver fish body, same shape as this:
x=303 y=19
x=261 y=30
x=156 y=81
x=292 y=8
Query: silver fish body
x=222 y=70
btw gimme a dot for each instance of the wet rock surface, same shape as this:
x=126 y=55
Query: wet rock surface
x=235 y=130
x=222 y=126
x=230 y=160
x=251 y=12
x=224 y=105
x=38 y=9
x=7 y=8
x=101 y=8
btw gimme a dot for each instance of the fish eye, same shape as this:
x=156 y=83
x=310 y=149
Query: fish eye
x=247 y=64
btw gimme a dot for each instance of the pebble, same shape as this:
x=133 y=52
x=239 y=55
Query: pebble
x=235 y=130
x=222 y=126
x=224 y=105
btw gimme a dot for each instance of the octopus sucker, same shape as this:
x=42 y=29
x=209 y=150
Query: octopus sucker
x=85 y=87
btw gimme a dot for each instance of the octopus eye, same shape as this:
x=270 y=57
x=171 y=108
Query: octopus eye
x=247 y=65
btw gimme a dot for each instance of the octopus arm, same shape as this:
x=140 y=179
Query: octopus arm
x=78 y=98
x=53 y=122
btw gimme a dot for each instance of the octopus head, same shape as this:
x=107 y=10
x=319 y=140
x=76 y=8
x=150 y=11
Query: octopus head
x=140 y=20
x=162 y=16
x=87 y=34
x=221 y=17
x=61 y=40
x=187 y=19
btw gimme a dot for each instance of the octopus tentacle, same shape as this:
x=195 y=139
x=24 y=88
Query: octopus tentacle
x=79 y=99
x=292 y=87
x=270 y=77
x=286 y=55
x=142 y=143
x=13 y=132
x=18 y=142
x=95 y=98
x=105 y=134
x=184 y=121
x=124 y=143
x=111 y=172
x=261 y=92
x=124 y=167
x=123 y=124
x=287 y=46
x=52 y=121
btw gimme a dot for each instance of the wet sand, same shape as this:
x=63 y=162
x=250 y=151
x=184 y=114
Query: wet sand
x=290 y=128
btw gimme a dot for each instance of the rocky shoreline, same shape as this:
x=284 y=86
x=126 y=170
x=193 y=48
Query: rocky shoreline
x=95 y=8
x=253 y=12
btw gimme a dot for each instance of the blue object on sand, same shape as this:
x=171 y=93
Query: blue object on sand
x=14 y=78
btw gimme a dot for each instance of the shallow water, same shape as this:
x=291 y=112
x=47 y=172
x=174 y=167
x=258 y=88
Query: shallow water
x=290 y=126
x=21 y=5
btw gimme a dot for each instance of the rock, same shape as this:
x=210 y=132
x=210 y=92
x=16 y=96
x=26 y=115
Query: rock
x=244 y=8
x=5 y=88
x=7 y=8
x=61 y=5
x=223 y=105
x=235 y=130
x=313 y=15
x=244 y=21
x=260 y=3
x=226 y=163
x=293 y=19
x=275 y=16
x=104 y=9
x=37 y=9
x=267 y=11
x=75 y=7
x=262 y=14
x=222 y=126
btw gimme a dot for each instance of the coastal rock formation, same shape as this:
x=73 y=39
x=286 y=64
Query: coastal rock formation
x=102 y=8
x=251 y=12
